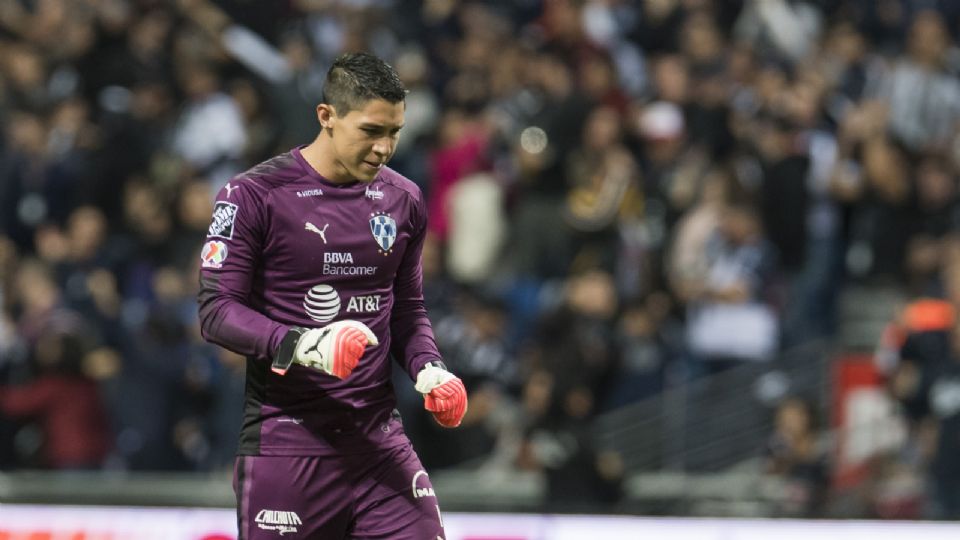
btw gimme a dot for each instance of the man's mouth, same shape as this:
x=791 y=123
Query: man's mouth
x=373 y=164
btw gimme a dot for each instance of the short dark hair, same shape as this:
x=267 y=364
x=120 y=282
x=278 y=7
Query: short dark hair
x=355 y=78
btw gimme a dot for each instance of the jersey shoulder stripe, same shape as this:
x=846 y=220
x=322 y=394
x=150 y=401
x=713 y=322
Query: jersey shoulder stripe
x=397 y=180
x=264 y=177
x=274 y=172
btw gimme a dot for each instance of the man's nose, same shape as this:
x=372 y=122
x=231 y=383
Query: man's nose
x=383 y=147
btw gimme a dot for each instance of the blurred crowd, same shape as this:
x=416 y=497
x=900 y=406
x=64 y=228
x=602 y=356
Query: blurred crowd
x=623 y=196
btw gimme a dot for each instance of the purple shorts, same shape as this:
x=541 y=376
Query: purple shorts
x=378 y=495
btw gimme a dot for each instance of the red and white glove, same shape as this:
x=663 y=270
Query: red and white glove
x=443 y=394
x=334 y=349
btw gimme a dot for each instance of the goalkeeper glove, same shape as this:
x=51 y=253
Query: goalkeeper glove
x=443 y=394
x=334 y=349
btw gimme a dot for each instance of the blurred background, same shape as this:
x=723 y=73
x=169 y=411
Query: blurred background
x=691 y=257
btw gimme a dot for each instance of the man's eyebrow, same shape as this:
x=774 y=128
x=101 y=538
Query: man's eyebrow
x=370 y=125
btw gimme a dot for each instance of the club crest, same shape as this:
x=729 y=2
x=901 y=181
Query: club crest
x=384 y=230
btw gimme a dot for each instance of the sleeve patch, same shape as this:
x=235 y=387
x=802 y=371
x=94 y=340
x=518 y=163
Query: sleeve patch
x=222 y=225
x=213 y=254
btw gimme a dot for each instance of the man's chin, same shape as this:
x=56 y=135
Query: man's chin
x=366 y=174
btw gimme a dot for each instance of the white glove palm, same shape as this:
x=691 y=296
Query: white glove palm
x=334 y=349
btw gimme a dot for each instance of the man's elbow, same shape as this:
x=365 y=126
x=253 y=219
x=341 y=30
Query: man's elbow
x=207 y=314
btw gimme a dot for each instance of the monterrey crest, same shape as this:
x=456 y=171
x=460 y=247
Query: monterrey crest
x=384 y=230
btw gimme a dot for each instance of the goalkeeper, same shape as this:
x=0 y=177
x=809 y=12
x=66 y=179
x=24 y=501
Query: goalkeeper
x=311 y=269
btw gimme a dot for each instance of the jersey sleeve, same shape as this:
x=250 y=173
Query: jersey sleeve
x=229 y=261
x=413 y=344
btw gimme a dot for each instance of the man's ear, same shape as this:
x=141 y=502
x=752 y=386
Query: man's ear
x=326 y=115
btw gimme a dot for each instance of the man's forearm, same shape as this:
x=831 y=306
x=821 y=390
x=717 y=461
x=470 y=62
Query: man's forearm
x=233 y=325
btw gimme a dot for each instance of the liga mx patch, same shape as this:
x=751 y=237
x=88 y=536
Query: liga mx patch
x=222 y=225
x=213 y=254
x=384 y=230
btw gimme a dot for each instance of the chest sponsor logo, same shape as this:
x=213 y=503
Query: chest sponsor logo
x=421 y=488
x=310 y=193
x=322 y=303
x=364 y=304
x=384 y=230
x=213 y=254
x=339 y=263
x=374 y=194
x=281 y=521
x=334 y=257
x=224 y=214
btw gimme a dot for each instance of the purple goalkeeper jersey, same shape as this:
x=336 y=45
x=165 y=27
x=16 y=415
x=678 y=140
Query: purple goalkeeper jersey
x=286 y=247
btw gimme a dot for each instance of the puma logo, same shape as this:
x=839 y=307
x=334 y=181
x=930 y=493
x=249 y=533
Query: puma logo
x=230 y=189
x=313 y=228
x=316 y=346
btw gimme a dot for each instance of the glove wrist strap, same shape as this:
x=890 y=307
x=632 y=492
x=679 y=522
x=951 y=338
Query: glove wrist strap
x=287 y=350
x=437 y=364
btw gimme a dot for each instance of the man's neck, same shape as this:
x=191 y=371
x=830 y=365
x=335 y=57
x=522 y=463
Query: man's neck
x=320 y=157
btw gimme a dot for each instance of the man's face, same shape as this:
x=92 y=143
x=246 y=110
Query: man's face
x=365 y=139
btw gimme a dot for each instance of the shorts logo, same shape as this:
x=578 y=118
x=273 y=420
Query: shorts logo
x=223 y=215
x=213 y=254
x=321 y=303
x=419 y=492
x=384 y=230
x=280 y=521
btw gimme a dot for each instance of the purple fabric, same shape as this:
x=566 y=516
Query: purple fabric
x=380 y=495
x=286 y=247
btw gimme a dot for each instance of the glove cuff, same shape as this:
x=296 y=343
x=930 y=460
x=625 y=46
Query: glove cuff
x=431 y=376
x=287 y=350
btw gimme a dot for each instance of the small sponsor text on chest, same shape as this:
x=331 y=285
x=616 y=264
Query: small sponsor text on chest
x=341 y=264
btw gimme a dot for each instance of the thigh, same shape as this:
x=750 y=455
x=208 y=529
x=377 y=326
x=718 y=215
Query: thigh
x=291 y=497
x=395 y=500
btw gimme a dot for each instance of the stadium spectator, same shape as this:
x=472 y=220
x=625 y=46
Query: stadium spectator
x=74 y=430
x=798 y=453
x=730 y=317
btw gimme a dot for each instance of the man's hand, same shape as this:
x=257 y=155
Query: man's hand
x=443 y=394
x=334 y=349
